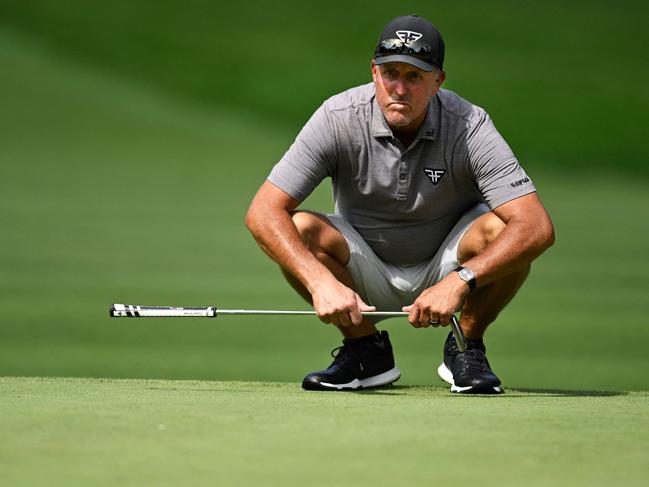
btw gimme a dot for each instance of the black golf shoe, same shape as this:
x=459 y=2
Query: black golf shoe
x=468 y=372
x=360 y=363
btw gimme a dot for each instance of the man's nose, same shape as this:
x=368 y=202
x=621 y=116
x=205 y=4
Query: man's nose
x=400 y=87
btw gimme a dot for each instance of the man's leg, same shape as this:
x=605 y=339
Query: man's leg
x=484 y=304
x=469 y=371
x=329 y=246
x=365 y=360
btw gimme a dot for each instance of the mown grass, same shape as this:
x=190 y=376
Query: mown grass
x=150 y=432
x=562 y=80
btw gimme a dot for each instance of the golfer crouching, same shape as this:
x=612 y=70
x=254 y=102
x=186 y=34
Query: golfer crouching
x=433 y=214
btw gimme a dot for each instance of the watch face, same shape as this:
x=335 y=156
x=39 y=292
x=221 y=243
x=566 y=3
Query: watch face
x=466 y=274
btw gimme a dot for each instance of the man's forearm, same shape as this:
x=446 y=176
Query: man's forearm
x=521 y=241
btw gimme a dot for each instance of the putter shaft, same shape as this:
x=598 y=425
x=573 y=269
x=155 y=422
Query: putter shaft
x=455 y=325
x=137 y=311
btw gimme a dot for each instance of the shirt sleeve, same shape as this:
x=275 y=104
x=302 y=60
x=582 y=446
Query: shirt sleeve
x=499 y=176
x=309 y=160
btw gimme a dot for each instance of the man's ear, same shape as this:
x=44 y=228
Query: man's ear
x=375 y=69
x=438 y=82
x=441 y=78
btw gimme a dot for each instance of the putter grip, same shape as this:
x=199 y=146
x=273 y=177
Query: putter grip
x=136 y=311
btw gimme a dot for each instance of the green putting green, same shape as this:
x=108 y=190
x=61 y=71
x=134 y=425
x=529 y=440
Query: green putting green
x=150 y=432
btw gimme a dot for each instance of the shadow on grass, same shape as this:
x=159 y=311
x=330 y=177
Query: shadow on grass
x=399 y=390
x=569 y=393
x=518 y=393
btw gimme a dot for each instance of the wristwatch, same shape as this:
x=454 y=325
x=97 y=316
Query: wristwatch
x=467 y=276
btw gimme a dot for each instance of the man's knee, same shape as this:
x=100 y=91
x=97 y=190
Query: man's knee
x=307 y=226
x=314 y=229
x=480 y=234
x=492 y=227
x=320 y=236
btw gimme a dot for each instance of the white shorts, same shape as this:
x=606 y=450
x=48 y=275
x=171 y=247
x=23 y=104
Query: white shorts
x=390 y=287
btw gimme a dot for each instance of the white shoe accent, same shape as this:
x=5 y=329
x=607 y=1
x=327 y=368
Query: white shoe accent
x=375 y=381
x=447 y=376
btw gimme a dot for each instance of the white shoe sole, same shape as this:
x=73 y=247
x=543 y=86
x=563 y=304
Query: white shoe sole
x=376 y=381
x=446 y=375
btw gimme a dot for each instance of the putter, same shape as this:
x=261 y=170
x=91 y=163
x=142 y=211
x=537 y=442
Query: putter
x=137 y=311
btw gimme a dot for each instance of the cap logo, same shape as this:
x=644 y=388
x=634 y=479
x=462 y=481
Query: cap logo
x=408 y=36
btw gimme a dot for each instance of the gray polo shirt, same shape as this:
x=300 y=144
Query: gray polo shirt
x=402 y=201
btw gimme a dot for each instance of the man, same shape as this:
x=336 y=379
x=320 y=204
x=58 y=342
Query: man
x=433 y=215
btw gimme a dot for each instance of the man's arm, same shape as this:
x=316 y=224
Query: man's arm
x=527 y=234
x=270 y=222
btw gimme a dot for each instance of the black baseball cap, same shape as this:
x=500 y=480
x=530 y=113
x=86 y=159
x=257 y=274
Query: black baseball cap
x=411 y=39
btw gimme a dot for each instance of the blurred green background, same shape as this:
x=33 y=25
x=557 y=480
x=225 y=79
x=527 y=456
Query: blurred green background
x=134 y=134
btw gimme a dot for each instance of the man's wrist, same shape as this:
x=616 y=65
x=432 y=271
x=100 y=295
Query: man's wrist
x=320 y=278
x=467 y=276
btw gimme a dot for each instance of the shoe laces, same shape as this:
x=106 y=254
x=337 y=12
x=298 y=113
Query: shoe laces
x=473 y=358
x=343 y=355
x=356 y=350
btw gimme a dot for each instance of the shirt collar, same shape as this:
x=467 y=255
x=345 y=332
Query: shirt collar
x=428 y=130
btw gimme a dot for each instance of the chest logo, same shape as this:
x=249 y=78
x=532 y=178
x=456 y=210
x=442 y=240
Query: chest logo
x=434 y=174
x=408 y=36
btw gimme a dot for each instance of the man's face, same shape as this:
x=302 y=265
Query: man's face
x=403 y=92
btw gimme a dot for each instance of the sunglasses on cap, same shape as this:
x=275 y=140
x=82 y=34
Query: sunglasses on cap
x=416 y=49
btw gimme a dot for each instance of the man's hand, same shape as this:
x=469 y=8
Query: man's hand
x=436 y=304
x=339 y=305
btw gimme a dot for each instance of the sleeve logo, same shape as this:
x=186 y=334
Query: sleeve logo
x=434 y=174
x=520 y=182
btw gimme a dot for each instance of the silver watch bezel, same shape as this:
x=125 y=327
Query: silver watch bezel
x=467 y=276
